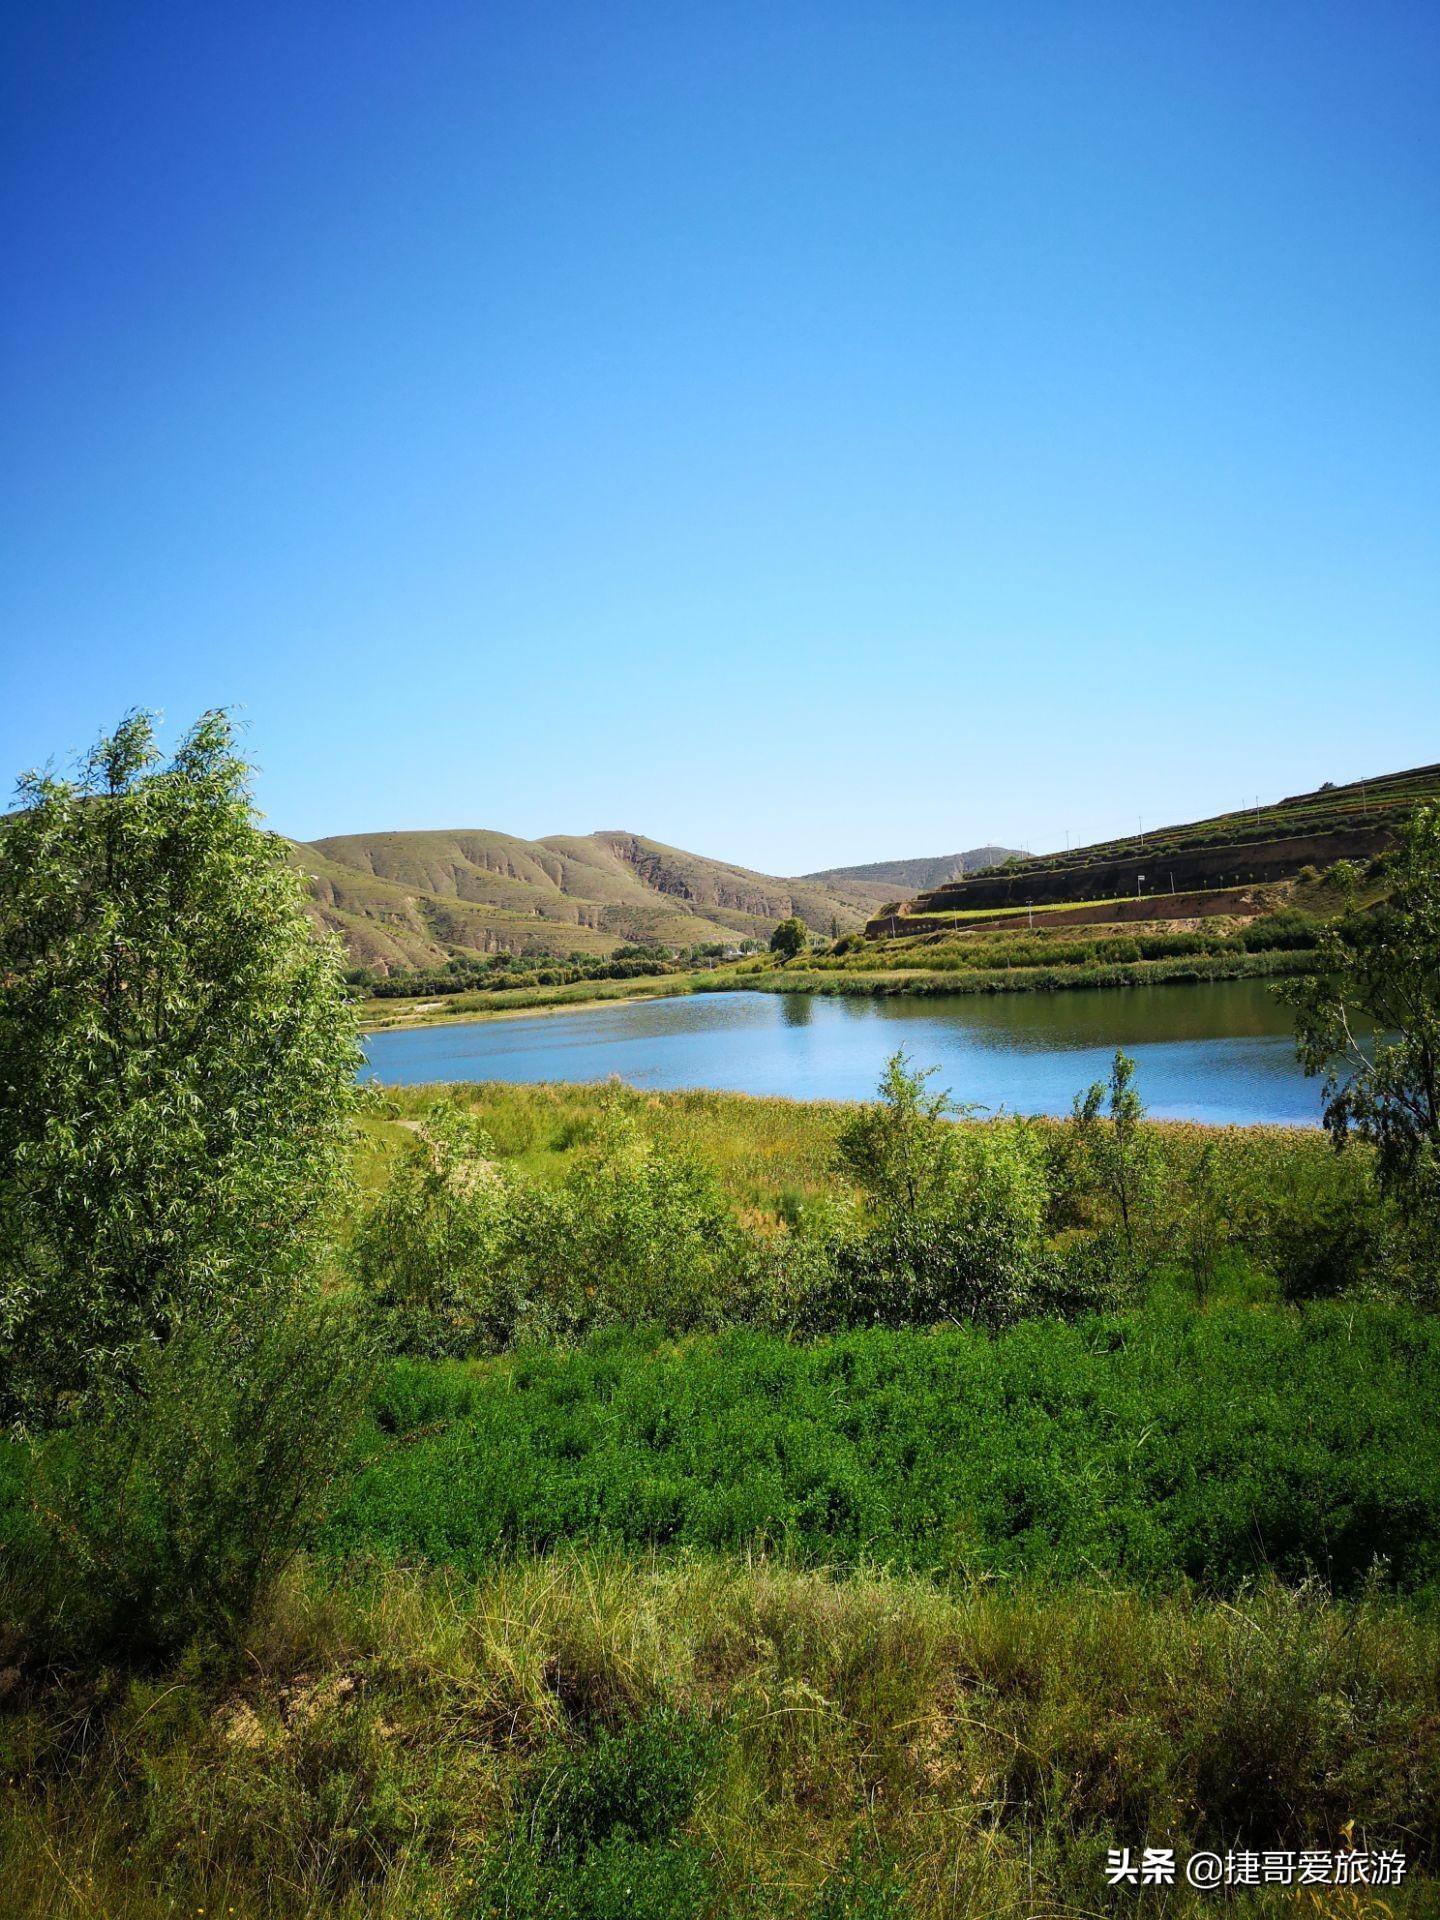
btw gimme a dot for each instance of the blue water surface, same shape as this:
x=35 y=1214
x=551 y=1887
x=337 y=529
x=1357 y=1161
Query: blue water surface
x=1219 y=1052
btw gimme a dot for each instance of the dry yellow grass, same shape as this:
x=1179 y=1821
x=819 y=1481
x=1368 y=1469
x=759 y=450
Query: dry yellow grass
x=381 y=1740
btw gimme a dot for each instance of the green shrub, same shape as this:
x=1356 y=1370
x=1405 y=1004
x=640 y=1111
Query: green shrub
x=459 y=1256
x=430 y=1255
x=1200 y=1216
x=956 y=1226
x=1327 y=1252
x=1084 y=1274
x=647 y=1234
x=618 y=1880
x=1322 y=1227
x=169 y=1513
x=1288 y=930
x=569 y=1212
x=1116 y=1156
x=866 y=1887
x=898 y=1150
x=602 y=1836
x=972 y=1249
x=640 y=1778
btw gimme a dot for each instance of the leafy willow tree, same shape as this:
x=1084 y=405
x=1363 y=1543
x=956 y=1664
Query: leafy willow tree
x=956 y=1226
x=177 y=1061
x=792 y=936
x=899 y=1150
x=1121 y=1156
x=1368 y=1020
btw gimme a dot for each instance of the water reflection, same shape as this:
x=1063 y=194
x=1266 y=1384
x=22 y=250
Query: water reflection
x=1219 y=1052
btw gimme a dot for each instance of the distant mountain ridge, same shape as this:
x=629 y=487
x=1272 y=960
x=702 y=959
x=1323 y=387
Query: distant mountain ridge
x=932 y=872
x=410 y=899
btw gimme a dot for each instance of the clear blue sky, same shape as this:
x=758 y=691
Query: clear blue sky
x=806 y=433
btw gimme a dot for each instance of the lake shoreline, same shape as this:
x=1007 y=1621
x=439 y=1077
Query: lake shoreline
x=659 y=989
x=1203 y=971
x=1221 y=1053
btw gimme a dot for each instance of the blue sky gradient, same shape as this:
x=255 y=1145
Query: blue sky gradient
x=805 y=433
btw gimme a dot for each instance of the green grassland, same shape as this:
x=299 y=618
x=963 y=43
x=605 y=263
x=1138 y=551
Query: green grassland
x=765 y=1153
x=712 y=1606
x=768 y=1154
x=1149 y=1450
x=425 y=1010
x=606 y=1736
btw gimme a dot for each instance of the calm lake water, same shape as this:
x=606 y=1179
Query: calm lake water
x=1220 y=1052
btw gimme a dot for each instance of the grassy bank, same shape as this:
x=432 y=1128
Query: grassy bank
x=773 y=1156
x=908 y=975
x=612 y=1737
x=919 y=975
x=424 y=1011
x=769 y=1154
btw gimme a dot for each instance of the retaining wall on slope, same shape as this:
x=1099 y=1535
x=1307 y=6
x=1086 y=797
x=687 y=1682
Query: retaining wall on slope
x=1184 y=869
x=1239 y=902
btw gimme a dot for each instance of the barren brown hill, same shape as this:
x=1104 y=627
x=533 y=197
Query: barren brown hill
x=414 y=899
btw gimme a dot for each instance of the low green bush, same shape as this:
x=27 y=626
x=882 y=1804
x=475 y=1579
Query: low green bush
x=460 y=1255
x=466 y=1251
x=601 y=1836
x=169 y=1512
x=621 y=1879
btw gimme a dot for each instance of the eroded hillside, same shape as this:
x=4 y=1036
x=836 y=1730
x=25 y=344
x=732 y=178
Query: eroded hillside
x=414 y=899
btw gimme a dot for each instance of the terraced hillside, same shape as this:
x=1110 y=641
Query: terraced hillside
x=415 y=899
x=1208 y=866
